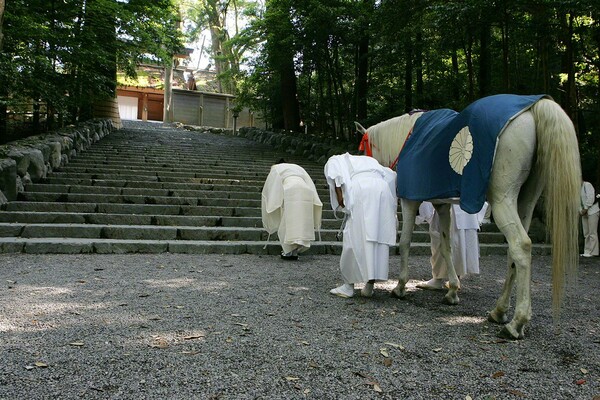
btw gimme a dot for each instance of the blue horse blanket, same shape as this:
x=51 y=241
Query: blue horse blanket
x=450 y=154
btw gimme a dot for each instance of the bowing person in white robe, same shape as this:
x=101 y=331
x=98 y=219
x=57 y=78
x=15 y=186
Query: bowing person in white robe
x=365 y=192
x=464 y=243
x=291 y=207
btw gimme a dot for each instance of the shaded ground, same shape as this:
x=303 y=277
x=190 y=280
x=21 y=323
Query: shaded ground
x=175 y=326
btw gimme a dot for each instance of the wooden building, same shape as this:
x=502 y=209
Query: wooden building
x=189 y=107
x=142 y=103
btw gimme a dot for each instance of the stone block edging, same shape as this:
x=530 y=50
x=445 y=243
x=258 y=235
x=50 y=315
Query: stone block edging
x=31 y=159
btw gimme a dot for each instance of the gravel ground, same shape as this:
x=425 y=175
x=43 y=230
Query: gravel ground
x=173 y=326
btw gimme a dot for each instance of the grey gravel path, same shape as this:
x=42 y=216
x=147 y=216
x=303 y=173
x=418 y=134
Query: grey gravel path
x=174 y=326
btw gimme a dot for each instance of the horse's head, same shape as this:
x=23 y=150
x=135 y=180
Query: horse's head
x=384 y=140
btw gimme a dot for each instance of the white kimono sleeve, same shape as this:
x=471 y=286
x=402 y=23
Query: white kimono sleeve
x=271 y=201
x=317 y=204
x=338 y=175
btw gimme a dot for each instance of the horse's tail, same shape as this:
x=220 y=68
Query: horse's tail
x=559 y=165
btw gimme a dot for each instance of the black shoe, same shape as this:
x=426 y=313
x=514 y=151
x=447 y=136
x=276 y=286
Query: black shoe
x=290 y=257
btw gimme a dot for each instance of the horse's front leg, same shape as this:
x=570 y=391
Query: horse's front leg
x=409 y=212
x=451 y=296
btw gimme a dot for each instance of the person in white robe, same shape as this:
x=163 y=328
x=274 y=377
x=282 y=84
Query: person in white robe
x=291 y=207
x=589 y=219
x=464 y=243
x=365 y=192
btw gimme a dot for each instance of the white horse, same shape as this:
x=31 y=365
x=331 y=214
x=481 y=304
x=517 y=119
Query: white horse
x=536 y=152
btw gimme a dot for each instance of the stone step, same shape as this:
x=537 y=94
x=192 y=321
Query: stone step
x=162 y=176
x=199 y=184
x=57 y=217
x=112 y=190
x=262 y=156
x=191 y=178
x=82 y=245
x=193 y=171
x=160 y=189
x=118 y=208
x=260 y=160
x=165 y=232
x=137 y=199
x=198 y=208
x=169 y=164
x=184 y=209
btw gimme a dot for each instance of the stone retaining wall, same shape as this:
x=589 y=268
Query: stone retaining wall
x=31 y=159
x=311 y=147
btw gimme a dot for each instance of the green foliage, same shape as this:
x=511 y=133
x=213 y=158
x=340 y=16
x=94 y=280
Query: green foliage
x=65 y=54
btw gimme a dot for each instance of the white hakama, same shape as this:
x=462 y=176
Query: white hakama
x=464 y=240
x=369 y=192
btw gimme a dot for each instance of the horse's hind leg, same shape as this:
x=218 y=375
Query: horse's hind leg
x=530 y=193
x=498 y=314
x=512 y=212
x=409 y=212
x=519 y=247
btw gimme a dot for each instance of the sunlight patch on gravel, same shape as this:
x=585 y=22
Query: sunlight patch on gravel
x=462 y=320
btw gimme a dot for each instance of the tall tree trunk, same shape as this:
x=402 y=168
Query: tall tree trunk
x=455 y=77
x=331 y=110
x=470 y=68
x=571 y=90
x=505 y=50
x=419 y=68
x=408 y=73
x=101 y=24
x=2 y=5
x=362 y=70
x=322 y=121
x=540 y=18
x=280 y=58
x=3 y=88
x=341 y=113
x=217 y=37
x=362 y=62
x=485 y=62
x=596 y=140
x=289 y=97
x=217 y=56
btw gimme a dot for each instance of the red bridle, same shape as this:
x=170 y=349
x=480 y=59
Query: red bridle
x=366 y=146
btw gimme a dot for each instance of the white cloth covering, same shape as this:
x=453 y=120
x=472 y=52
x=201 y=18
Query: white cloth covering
x=369 y=194
x=463 y=235
x=291 y=207
x=589 y=221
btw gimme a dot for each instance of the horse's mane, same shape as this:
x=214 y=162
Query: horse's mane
x=388 y=137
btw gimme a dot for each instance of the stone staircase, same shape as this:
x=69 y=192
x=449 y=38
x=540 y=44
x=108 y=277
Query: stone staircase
x=150 y=189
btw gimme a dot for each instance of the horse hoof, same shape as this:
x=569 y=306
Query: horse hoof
x=451 y=300
x=509 y=333
x=398 y=294
x=497 y=318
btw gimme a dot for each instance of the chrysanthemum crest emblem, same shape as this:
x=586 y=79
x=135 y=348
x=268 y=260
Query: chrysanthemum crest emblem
x=461 y=150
